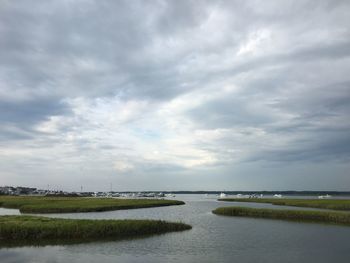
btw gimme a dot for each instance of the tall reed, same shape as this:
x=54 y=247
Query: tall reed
x=341 y=218
x=30 y=204
x=34 y=228
x=333 y=204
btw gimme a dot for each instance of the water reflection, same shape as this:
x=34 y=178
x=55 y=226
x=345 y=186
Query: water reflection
x=7 y=211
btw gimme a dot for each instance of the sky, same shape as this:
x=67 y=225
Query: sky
x=175 y=95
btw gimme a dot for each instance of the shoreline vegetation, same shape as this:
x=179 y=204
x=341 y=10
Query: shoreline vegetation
x=34 y=204
x=328 y=217
x=22 y=230
x=332 y=204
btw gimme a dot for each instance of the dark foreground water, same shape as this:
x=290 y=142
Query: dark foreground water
x=212 y=239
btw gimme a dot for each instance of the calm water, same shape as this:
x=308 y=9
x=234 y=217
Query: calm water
x=212 y=239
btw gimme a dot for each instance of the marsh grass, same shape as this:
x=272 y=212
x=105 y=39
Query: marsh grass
x=30 y=204
x=42 y=230
x=329 y=217
x=332 y=204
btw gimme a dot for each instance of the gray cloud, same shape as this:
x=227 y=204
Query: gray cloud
x=29 y=112
x=163 y=86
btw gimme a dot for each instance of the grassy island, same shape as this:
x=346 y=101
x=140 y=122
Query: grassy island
x=330 y=217
x=36 y=229
x=30 y=204
x=333 y=204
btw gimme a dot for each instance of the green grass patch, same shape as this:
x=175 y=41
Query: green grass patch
x=333 y=204
x=29 y=204
x=36 y=229
x=330 y=217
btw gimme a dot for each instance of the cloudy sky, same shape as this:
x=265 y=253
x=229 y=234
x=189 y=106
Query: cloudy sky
x=175 y=95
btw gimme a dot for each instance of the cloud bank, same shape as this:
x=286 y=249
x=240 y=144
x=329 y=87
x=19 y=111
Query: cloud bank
x=168 y=95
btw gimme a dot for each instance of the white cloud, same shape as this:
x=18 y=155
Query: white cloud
x=193 y=88
x=257 y=43
x=122 y=166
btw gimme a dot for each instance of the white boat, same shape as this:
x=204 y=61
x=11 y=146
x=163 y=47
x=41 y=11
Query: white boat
x=222 y=195
x=277 y=196
x=324 y=196
x=160 y=194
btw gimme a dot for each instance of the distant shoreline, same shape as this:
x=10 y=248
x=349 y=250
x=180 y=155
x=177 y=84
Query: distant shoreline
x=306 y=193
x=27 y=190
